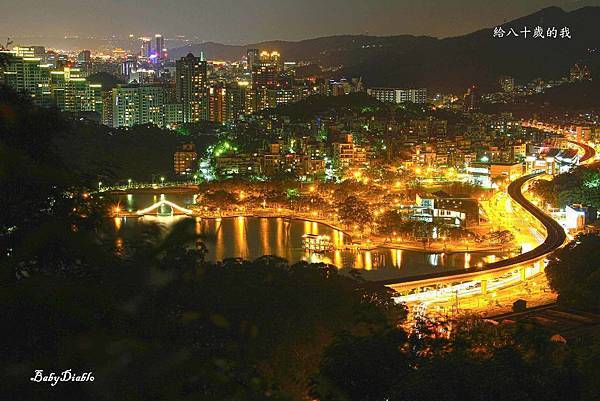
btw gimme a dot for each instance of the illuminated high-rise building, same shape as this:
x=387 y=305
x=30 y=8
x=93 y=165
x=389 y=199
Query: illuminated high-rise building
x=73 y=93
x=29 y=51
x=191 y=87
x=160 y=50
x=507 y=84
x=252 y=57
x=146 y=48
x=27 y=75
x=143 y=104
x=266 y=72
x=237 y=95
x=128 y=66
x=138 y=104
x=217 y=104
x=85 y=56
x=471 y=99
x=398 y=95
x=265 y=76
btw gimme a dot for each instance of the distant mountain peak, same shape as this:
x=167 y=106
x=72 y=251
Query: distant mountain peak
x=449 y=64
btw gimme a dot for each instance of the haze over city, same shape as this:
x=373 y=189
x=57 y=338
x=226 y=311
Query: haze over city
x=300 y=200
x=246 y=21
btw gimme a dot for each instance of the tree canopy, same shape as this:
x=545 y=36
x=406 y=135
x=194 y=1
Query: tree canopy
x=574 y=272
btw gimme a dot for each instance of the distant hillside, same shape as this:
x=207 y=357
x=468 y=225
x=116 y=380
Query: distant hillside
x=449 y=64
x=572 y=97
x=327 y=51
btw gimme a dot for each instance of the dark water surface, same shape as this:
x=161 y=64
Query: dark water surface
x=250 y=238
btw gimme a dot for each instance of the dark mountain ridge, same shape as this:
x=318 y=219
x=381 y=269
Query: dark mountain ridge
x=449 y=64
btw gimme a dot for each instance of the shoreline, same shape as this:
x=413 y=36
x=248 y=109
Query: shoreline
x=368 y=245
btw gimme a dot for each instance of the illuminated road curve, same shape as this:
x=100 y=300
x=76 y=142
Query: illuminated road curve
x=589 y=153
x=555 y=238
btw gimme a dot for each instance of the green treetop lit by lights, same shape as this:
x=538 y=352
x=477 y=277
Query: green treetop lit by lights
x=222 y=148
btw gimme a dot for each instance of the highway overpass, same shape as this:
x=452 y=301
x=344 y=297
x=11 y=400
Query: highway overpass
x=507 y=270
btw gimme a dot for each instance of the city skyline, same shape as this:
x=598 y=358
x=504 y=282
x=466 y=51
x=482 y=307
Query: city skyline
x=234 y=22
x=356 y=200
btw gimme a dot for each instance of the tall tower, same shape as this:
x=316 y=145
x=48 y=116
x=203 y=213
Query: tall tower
x=191 y=87
x=146 y=49
x=252 y=57
x=265 y=77
x=160 y=47
x=265 y=71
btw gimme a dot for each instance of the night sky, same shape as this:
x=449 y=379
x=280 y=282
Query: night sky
x=247 y=21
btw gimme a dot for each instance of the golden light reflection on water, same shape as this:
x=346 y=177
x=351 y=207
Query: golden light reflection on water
x=130 y=203
x=307 y=227
x=337 y=259
x=363 y=261
x=119 y=246
x=368 y=261
x=264 y=236
x=317 y=258
x=280 y=230
x=397 y=257
x=198 y=226
x=219 y=242
x=433 y=259
x=251 y=237
x=241 y=244
x=338 y=239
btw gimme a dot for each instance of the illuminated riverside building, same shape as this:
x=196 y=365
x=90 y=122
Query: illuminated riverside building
x=191 y=87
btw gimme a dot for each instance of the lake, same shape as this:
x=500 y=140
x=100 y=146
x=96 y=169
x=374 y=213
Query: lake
x=252 y=237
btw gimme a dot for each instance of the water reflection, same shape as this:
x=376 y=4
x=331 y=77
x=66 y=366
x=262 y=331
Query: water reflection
x=250 y=238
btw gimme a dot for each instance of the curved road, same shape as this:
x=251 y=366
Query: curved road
x=588 y=151
x=555 y=238
x=555 y=234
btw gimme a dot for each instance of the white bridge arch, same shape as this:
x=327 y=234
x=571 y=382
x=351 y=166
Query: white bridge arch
x=160 y=203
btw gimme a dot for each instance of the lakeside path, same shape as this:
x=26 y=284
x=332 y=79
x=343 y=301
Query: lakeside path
x=356 y=240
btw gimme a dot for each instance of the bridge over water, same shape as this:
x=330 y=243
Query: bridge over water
x=175 y=209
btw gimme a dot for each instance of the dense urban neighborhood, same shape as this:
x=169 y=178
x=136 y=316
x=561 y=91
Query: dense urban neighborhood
x=352 y=217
